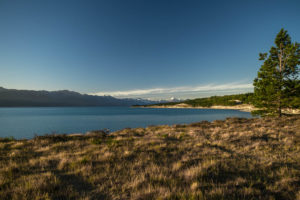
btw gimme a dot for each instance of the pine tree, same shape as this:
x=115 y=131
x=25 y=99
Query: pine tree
x=277 y=83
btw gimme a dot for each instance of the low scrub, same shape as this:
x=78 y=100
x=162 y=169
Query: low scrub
x=232 y=159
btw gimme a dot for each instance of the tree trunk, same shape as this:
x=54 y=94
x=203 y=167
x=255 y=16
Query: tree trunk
x=279 y=107
x=281 y=78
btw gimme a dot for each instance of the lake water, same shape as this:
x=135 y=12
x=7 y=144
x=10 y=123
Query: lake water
x=26 y=122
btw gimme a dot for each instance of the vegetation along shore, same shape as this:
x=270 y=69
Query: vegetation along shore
x=242 y=102
x=237 y=158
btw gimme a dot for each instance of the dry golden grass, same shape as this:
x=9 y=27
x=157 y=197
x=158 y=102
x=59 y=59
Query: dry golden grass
x=231 y=159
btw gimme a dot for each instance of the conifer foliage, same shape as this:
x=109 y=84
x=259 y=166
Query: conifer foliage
x=277 y=84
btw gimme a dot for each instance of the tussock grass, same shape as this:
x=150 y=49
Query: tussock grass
x=231 y=159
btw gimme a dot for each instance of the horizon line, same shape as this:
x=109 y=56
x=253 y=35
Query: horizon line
x=176 y=90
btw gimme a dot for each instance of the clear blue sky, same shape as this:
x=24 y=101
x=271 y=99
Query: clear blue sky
x=140 y=48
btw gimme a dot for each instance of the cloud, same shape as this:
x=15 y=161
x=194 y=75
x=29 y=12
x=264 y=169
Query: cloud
x=178 y=90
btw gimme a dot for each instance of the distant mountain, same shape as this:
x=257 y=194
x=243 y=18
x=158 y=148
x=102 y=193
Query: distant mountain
x=171 y=100
x=28 y=98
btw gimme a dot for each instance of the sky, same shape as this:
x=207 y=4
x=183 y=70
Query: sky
x=154 y=49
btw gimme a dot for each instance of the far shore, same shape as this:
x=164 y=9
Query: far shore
x=241 y=107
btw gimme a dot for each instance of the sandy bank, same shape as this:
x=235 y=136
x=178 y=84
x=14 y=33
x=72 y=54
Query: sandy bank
x=242 y=107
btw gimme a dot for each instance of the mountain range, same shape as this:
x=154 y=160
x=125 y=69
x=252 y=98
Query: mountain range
x=32 y=98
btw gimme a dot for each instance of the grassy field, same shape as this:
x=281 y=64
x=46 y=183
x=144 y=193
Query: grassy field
x=231 y=159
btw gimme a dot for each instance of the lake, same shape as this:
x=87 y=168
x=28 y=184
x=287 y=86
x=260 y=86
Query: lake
x=26 y=122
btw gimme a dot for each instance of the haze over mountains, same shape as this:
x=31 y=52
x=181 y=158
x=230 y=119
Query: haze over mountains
x=28 y=98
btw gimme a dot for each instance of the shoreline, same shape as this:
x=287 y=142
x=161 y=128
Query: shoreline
x=244 y=107
x=241 y=107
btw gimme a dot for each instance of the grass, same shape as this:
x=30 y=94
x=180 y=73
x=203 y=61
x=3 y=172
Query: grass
x=232 y=159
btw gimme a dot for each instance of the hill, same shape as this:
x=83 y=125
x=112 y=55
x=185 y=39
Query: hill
x=242 y=102
x=227 y=100
x=26 y=98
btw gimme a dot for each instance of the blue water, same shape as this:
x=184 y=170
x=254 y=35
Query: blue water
x=26 y=122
